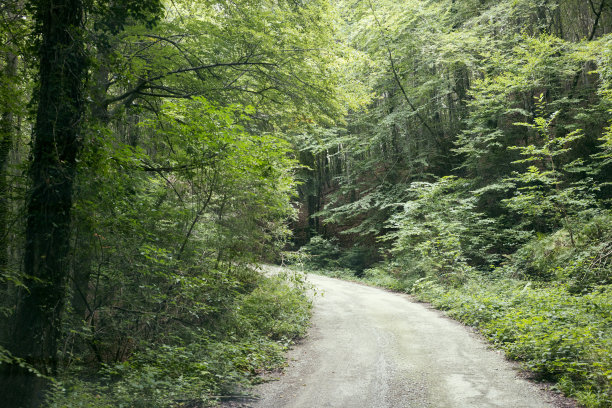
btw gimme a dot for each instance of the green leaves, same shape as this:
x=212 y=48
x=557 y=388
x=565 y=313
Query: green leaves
x=542 y=188
x=440 y=234
x=195 y=365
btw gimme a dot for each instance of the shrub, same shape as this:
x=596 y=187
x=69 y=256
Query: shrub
x=582 y=265
x=321 y=253
x=188 y=370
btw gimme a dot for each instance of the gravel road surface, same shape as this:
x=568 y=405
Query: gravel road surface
x=369 y=348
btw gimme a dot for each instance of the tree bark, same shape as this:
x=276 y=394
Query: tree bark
x=37 y=320
x=6 y=143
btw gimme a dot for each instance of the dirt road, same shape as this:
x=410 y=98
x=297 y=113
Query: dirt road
x=369 y=348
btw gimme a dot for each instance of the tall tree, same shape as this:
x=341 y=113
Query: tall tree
x=61 y=78
x=12 y=28
x=62 y=74
x=6 y=141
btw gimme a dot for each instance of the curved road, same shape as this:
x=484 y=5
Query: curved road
x=368 y=348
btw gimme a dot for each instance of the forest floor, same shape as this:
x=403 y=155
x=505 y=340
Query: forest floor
x=369 y=348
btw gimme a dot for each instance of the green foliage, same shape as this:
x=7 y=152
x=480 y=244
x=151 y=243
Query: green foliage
x=392 y=277
x=440 y=233
x=275 y=310
x=466 y=85
x=261 y=53
x=506 y=94
x=173 y=228
x=542 y=191
x=321 y=253
x=581 y=264
x=196 y=364
x=560 y=336
x=357 y=258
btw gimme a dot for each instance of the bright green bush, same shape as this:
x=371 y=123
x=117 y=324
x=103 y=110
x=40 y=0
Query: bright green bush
x=274 y=310
x=390 y=279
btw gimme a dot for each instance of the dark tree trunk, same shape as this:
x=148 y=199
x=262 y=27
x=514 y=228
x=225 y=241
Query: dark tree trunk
x=37 y=325
x=6 y=142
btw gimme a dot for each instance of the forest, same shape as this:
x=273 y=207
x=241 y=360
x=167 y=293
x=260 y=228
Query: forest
x=154 y=154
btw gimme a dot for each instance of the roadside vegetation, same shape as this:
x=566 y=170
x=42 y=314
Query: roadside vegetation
x=199 y=365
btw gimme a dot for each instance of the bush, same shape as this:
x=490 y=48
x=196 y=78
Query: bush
x=321 y=253
x=357 y=258
x=391 y=277
x=189 y=370
x=439 y=233
x=583 y=264
x=274 y=310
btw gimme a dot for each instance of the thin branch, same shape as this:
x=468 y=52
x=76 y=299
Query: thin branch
x=196 y=219
x=178 y=195
x=597 y=16
x=396 y=76
x=168 y=168
x=168 y=95
x=144 y=83
x=591 y=36
x=181 y=50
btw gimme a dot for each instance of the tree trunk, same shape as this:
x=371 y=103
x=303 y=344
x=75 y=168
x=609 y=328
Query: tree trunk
x=6 y=142
x=37 y=325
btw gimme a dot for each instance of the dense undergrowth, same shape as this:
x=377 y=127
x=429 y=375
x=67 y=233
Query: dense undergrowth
x=199 y=366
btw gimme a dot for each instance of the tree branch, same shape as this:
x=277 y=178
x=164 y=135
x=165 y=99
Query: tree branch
x=597 y=17
x=396 y=76
x=144 y=83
